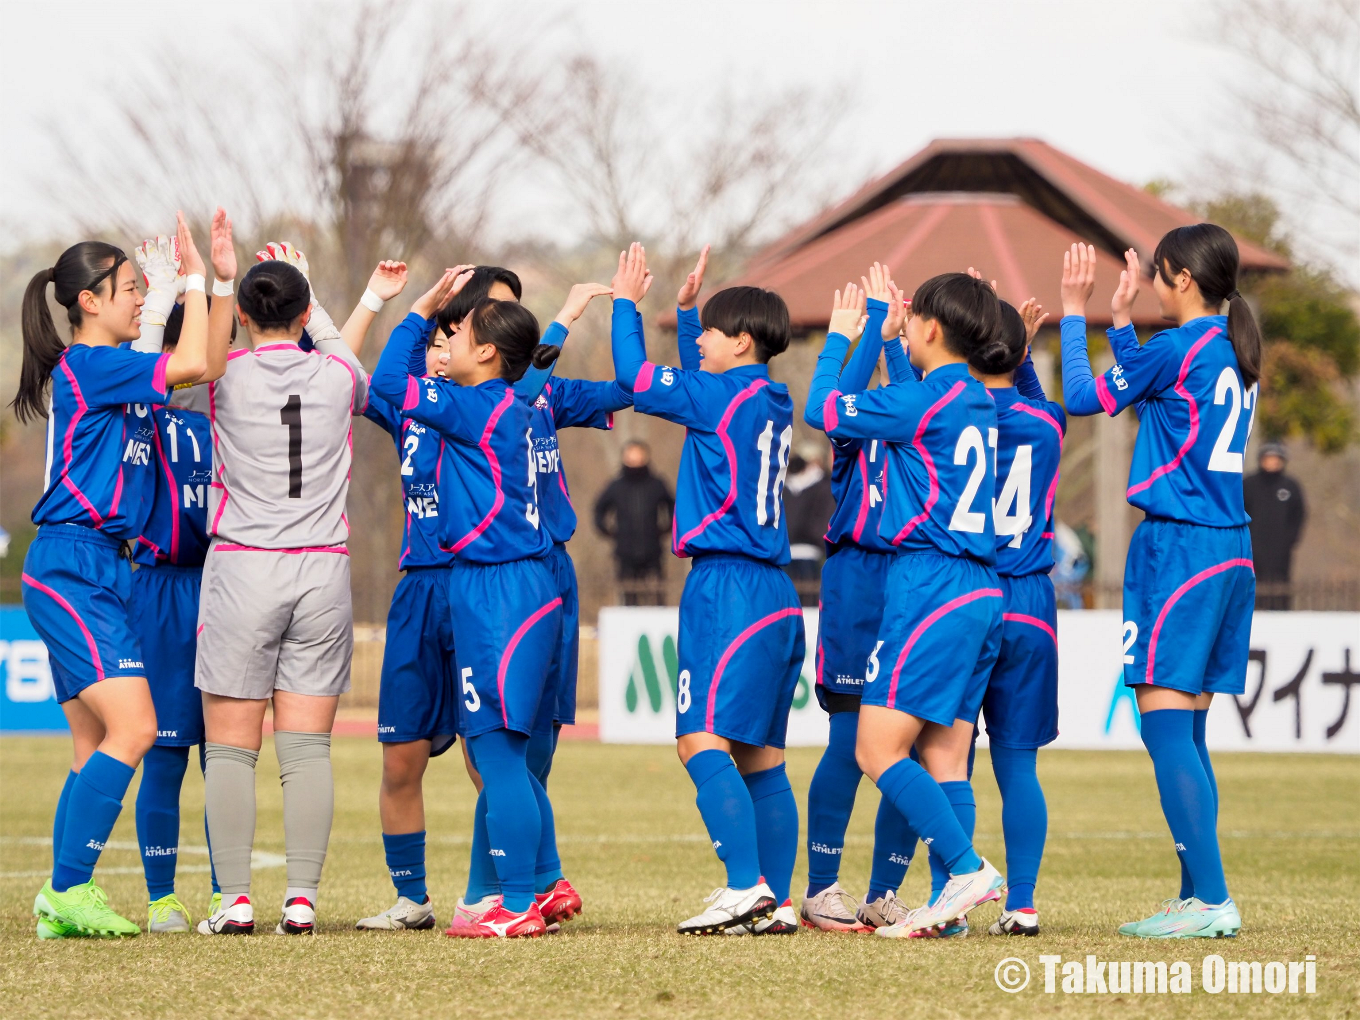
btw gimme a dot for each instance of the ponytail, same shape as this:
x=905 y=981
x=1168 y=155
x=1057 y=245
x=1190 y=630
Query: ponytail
x=1210 y=254
x=81 y=267
x=544 y=355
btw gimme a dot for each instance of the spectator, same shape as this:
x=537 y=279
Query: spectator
x=808 y=506
x=1275 y=503
x=635 y=512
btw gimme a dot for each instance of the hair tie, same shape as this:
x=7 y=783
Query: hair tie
x=52 y=275
x=1232 y=294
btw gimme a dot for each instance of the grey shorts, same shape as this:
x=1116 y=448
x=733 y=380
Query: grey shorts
x=270 y=620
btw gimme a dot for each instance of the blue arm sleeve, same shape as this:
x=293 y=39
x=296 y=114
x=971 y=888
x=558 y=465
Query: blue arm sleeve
x=825 y=379
x=688 y=330
x=900 y=368
x=860 y=368
x=1027 y=380
x=531 y=384
x=416 y=366
x=392 y=376
x=629 y=347
x=1123 y=342
x=1079 y=386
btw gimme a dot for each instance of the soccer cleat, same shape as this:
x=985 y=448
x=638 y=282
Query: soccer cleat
x=560 y=903
x=299 y=918
x=1189 y=919
x=881 y=913
x=405 y=914
x=49 y=929
x=236 y=919
x=466 y=916
x=1016 y=922
x=832 y=909
x=167 y=915
x=84 y=908
x=956 y=929
x=782 y=922
x=730 y=907
x=961 y=894
x=215 y=904
x=499 y=923
x=903 y=929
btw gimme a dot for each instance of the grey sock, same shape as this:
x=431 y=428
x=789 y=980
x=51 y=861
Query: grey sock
x=229 y=790
x=308 y=803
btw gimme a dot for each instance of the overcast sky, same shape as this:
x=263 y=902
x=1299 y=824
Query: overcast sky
x=1128 y=88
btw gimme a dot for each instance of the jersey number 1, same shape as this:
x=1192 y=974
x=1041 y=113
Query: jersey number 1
x=290 y=414
x=765 y=492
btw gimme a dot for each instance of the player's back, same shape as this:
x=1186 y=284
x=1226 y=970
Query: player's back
x=1027 y=450
x=857 y=476
x=176 y=531
x=281 y=436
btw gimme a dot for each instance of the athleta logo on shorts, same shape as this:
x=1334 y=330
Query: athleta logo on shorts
x=130 y=664
x=852 y=681
x=496 y=853
x=166 y=733
x=387 y=729
x=822 y=848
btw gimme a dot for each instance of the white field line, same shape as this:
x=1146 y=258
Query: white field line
x=258 y=858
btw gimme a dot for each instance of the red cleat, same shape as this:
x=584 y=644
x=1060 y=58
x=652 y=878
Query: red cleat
x=560 y=903
x=499 y=923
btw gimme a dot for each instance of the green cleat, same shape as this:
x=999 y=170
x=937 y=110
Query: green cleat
x=166 y=915
x=1188 y=919
x=215 y=904
x=84 y=908
x=48 y=929
x=1132 y=928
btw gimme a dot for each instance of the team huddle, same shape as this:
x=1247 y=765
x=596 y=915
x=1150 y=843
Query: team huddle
x=223 y=474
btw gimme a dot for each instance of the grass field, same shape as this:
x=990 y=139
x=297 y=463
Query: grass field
x=633 y=844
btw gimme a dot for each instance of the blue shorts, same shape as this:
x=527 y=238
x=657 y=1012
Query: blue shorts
x=568 y=658
x=1021 y=703
x=165 y=619
x=940 y=638
x=853 y=580
x=507 y=634
x=1189 y=591
x=418 y=696
x=741 y=650
x=77 y=585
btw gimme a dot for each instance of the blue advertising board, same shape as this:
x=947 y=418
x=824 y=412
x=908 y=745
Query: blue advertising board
x=28 y=702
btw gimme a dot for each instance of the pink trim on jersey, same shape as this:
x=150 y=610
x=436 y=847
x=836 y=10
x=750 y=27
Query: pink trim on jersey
x=562 y=482
x=199 y=633
x=863 y=514
x=158 y=376
x=89 y=638
x=118 y=484
x=1181 y=391
x=238 y=354
x=1048 y=535
x=67 y=444
x=174 y=495
x=1203 y=575
x=1105 y=397
x=934 y=495
x=509 y=652
x=217 y=455
x=1043 y=415
x=930 y=621
x=232 y=547
x=354 y=383
x=412 y=397
x=609 y=420
x=1033 y=621
x=831 y=417
x=643 y=382
x=821 y=651
x=746 y=394
x=731 y=650
x=281 y=347
x=485 y=445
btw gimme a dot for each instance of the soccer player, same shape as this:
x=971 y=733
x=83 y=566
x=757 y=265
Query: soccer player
x=275 y=623
x=741 y=627
x=942 y=621
x=1189 y=585
x=1021 y=703
x=76 y=577
x=507 y=628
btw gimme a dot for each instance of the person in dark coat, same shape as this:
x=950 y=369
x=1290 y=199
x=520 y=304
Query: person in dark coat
x=635 y=512
x=1275 y=504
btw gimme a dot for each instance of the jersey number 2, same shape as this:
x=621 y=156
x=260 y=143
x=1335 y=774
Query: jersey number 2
x=290 y=414
x=1223 y=459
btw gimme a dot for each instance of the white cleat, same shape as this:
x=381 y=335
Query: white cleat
x=1016 y=922
x=961 y=894
x=406 y=914
x=730 y=907
x=299 y=918
x=902 y=929
x=883 y=912
x=832 y=909
x=782 y=922
x=237 y=919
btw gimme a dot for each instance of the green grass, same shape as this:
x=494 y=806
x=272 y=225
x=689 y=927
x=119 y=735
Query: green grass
x=633 y=844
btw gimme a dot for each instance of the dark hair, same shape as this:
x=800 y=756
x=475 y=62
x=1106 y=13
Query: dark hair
x=968 y=309
x=174 y=322
x=762 y=313
x=81 y=267
x=274 y=294
x=475 y=291
x=1003 y=352
x=513 y=330
x=1210 y=254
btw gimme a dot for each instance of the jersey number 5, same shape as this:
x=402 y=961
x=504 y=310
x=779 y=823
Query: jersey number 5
x=290 y=414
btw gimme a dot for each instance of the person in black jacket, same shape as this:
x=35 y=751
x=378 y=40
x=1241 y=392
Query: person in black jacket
x=635 y=512
x=1275 y=504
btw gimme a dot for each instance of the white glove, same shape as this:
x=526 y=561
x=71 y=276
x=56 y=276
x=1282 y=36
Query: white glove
x=158 y=258
x=320 y=326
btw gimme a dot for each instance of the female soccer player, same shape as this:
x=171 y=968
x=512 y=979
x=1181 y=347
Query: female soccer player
x=508 y=628
x=741 y=627
x=942 y=622
x=1189 y=571
x=76 y=578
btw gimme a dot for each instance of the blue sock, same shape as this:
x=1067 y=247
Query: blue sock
x=961 y=799
x=1187 y=797
x=926 y=808
x=728 y=814
x=894 y=843
x=1202 y=748
x=482 y=880
x=59 y=822
x=831 y=799
x=542 y=748
x=776 y=827
x=547 y=866
x=207 y=838
x=512 y=820
x=93 y=807
x=158 y=816
x=1024 y=821
x=406 y=863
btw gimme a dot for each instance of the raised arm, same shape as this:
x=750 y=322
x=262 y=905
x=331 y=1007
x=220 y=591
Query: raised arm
x=1026 y=379
x=531 y=384
x=223 y=311
x=687 y=324
x=189 y=361
x=392 y=377
x=388 y=280
x=158 y=259
x=631 y=283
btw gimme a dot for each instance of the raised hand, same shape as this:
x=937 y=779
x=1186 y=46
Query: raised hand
x=445 y=287
x=1121 y=305
x=632 y=280
x=978 y=276
x=158 y=258
x=878 y=281
x=190 y=260
x=847 y=312
x=388 y=280
x=578 y=297
x=899 y=310
x=689 y=291
x=1078 y=279
x=282 y=251
x=221 y=250
x=1033 y=315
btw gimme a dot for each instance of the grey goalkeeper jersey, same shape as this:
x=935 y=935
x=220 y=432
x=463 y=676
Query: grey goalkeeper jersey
x=281 y=443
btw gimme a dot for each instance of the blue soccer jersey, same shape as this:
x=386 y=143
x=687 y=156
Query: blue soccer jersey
x=1195 y=415
x=419 y=449
x=487 y=478
x=1026 y=448
x=176 y=530
x=101 y=439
